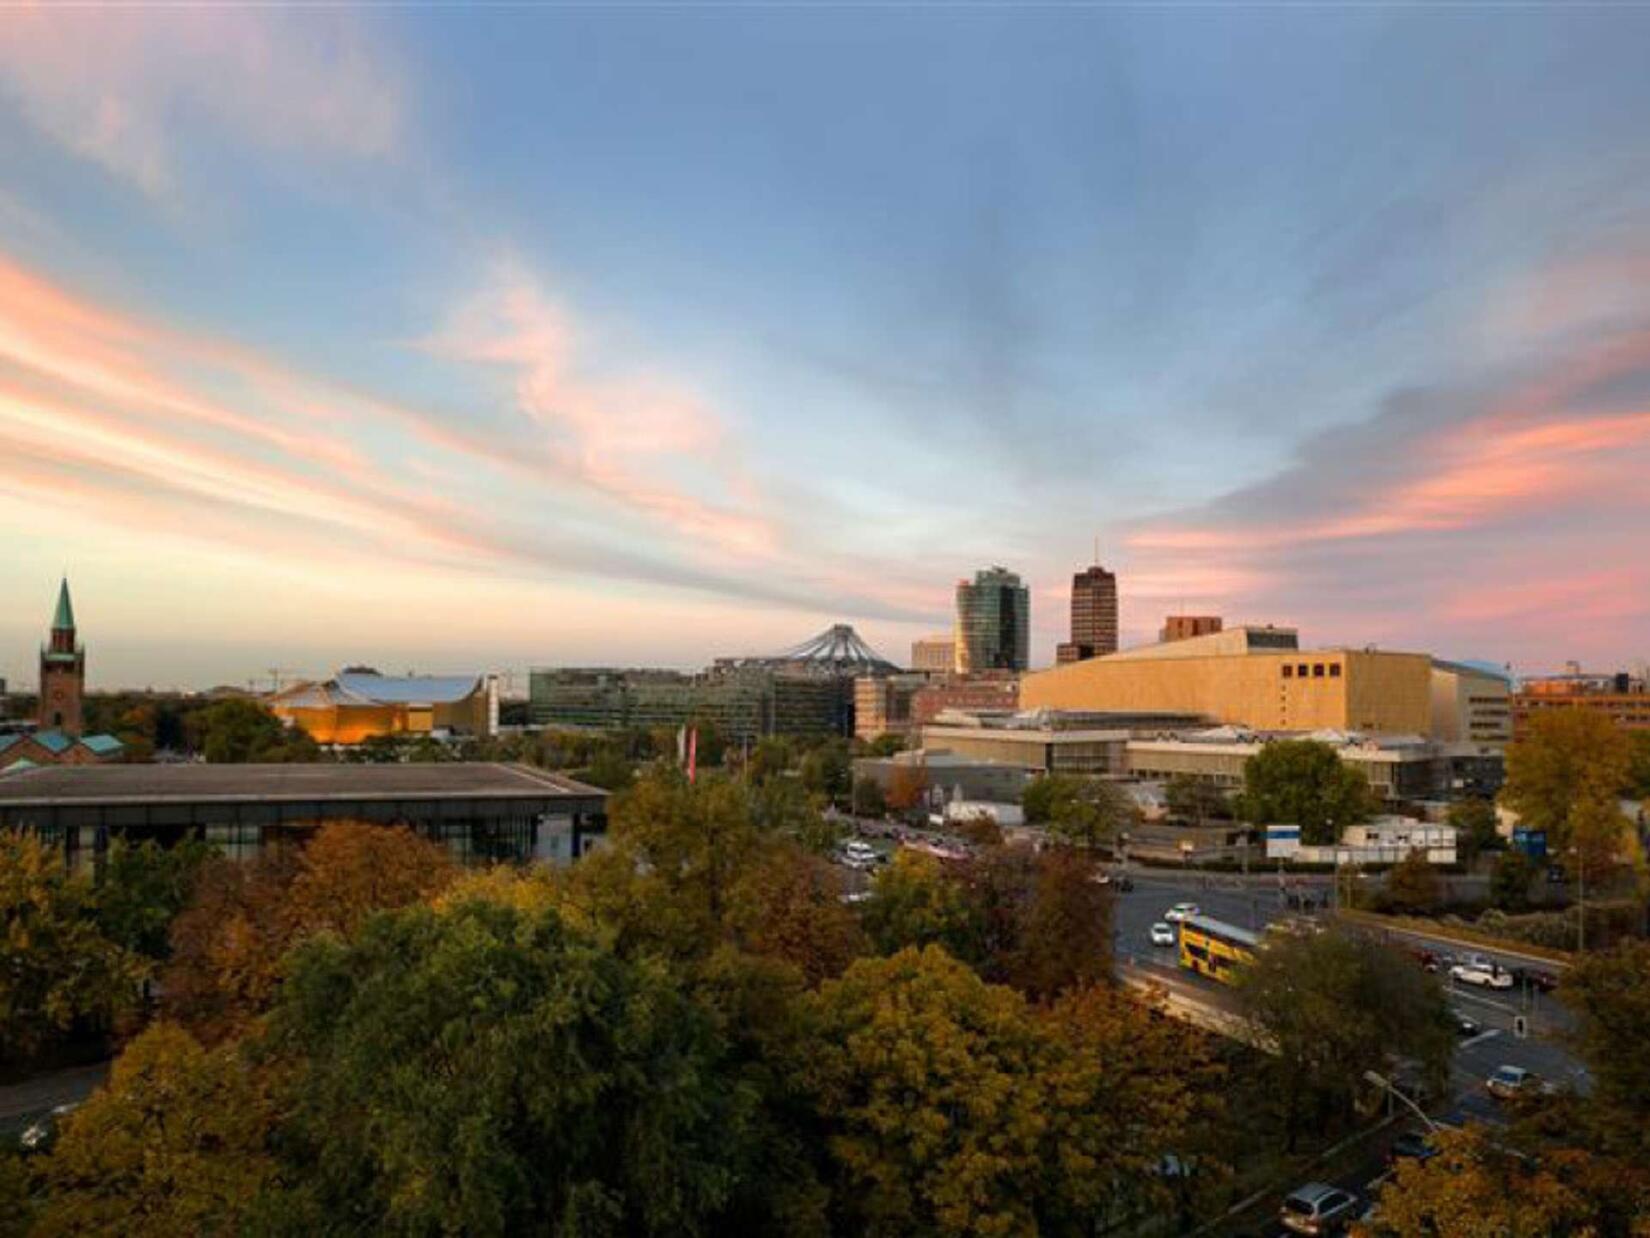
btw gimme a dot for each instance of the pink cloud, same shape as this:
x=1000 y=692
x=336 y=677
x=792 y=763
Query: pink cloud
x=114 y=85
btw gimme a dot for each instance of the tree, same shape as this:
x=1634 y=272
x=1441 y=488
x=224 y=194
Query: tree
x=1304 y=782
x=487 y=1071
x=771 y=758
x=980 y=829
x=907 y=785
x=1565 y=757
x=143 y=888
x=868 y=798
x=178 y=1142
x=350 y=870
x=789 y=906
x=237 y=730
x=59 y=971
x=609 y=770
x=1475 y=828
x=1060 y=936
x=1412 y=885
x=1477 y=1187
x=885 y=745
x=1335 y=1006
x=1088 y=812
x=1599 y=839
x=1510 y=881
x=951 y=1107
x=827 y=771
x=1194 y=799
x=1037 y=800
x=915 y=902
x=781 y=807
x=1609 y=993
x=1638 y=765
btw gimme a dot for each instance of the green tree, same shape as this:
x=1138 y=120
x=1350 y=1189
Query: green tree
x=771 y=758
x=915 y=902
x=1304 y=782
x=142 y=888
x=1510 y=881
x=868 y=797
x=1475 y=828
x=1566 y=756
x=485 y=1071
x=1609 y=993
x=238 y=730
x=885 y=745
x=781 y=807
x=1194 y=799
x=609 y=769
x=1412 y=885
x=59 y=971
x=1638 y=765
x=1335 y=1006
x=1088 y=812
x=827 y=770
x=178 y=1142
x=1037 y=800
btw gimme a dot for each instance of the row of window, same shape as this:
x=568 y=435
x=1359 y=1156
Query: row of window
x=1314 y=670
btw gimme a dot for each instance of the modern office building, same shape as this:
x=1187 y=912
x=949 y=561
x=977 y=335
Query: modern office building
x=882 y=704
x=1093 y=616
x=356 y=705
x=1471 y=704
x=999 y=690
x=993 y=623
x=1259 y=678
x=1184 y=627
x=934 y=653
x=1621 y=697
x=1047 y=742
x=1397 y=767
x=741 y=702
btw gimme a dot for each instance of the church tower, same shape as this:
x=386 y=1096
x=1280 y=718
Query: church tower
x=62 y=671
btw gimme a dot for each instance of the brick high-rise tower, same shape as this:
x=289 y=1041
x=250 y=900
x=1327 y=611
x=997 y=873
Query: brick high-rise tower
x=1093 y=616
x=62 y=671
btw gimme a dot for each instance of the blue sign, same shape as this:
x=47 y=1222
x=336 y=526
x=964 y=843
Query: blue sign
x=1532 y=843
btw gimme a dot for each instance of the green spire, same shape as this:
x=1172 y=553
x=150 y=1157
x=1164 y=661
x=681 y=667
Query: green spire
x=63 y=621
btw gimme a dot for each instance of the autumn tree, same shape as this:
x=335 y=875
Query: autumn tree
x=1510 y=881
x=782 y=807
x=350 y=870
x=868 y=799
x=1412 y=884
x=907 y=785
x=951 y=1107
x=1638 y=765
x=1304 y=782
x=916 y=902
x=1335 y=1006
x=178 y=1142
x=1475 y=828
x=59 y=970
x=1061 y=934
x=827 y=771
x=1088 y=812
x=487 y=1071
x=1566 y=756
x=1609 y=994
x=788 y=905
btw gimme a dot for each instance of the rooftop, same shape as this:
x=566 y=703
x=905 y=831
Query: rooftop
x=158 y=784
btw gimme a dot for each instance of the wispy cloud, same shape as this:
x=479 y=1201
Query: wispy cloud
x=114 y=85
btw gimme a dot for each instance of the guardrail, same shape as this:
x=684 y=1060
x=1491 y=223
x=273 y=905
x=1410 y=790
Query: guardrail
x=1411 y=926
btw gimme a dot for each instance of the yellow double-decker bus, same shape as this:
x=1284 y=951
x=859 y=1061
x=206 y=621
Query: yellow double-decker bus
x=1214 y=948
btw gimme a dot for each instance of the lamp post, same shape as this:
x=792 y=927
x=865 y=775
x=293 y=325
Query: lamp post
x=1385 y=1084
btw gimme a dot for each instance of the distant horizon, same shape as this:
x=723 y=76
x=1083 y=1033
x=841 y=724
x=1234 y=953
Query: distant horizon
x=570 y=336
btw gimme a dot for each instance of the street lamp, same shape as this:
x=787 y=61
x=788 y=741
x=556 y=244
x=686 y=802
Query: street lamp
x=1385 y=1084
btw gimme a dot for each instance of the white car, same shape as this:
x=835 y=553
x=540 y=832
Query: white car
x=1179 y=912
x=1483 y=975
x=1163 y=934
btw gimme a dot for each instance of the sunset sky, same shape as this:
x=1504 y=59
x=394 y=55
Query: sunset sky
x=458 y=340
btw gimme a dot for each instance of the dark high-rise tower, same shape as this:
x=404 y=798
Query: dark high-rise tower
x=1093 y=616
x=993 y=623
x=62 y=671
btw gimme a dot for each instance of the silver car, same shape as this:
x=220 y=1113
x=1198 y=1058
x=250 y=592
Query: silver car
x=1318 y=1208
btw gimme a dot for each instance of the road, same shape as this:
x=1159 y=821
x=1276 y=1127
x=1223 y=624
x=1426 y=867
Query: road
x=21 y=1103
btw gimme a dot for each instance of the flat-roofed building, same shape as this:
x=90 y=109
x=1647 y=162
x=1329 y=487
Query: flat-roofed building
x=945 y=776
x=1256 y=677
x=882 y=704
x=1623 y=698
x=1045 y=741
x=1184 y=627
x=742 y=702
x=1093 y=616
x=993 y=623
x=1471 y=704
x=996 y=691
x=934 y=653
x=1397 y=767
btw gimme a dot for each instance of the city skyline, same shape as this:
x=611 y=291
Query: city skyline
x=343 y=335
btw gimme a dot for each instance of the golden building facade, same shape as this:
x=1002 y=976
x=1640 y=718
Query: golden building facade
x=354 y=706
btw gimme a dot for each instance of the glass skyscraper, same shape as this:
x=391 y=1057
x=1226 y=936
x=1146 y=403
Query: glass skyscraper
x=993 y=623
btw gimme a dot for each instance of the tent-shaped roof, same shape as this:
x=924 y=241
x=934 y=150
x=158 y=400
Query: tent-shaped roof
x=408 y=689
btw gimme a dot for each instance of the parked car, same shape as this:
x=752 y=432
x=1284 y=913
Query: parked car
x=1180 y=911
x=1163 y=934
x=1411 y=1146
x=1318 y=1208
x=1483 y=975
x=1508 y=1082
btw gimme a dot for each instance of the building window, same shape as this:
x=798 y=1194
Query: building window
x=1334 y=670
x=1288 y=671
x=1301 y=670
x=1317 y=670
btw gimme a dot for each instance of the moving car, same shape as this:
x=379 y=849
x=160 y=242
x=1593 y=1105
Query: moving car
x=1466 y=1028
x=1540 y=981
x=1318 y=1208
x=1412 y=1146
x=857 y=854
x=1510 y=1081
x=41 y=1134
x=1180 y=911
x=1482 y=974
x=1163 y=934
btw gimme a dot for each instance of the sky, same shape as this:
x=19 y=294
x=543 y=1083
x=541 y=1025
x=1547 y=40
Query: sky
x=450 y=339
